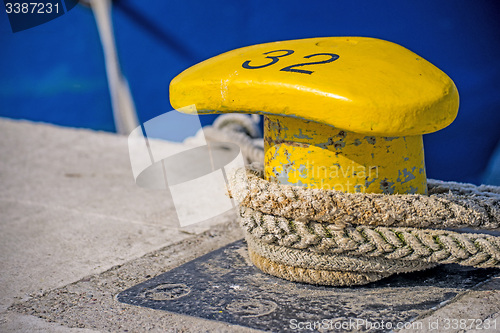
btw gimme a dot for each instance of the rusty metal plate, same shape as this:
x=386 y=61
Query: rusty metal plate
x=224 y=286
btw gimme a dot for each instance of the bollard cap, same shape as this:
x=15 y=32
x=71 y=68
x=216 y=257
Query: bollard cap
x=358 y=84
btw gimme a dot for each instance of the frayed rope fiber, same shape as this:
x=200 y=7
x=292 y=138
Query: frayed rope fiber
x=333 y=238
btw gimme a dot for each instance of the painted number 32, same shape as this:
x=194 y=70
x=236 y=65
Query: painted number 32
x=292 y=68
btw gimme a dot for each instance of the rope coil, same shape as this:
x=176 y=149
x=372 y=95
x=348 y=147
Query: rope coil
x=314 y=236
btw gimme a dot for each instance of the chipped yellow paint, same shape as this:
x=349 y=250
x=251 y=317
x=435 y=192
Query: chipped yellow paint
x=315 y=155
x=374 y=87
x=344 y=113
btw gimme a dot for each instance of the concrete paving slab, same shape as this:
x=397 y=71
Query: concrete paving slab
x=13 y=322
x=57 y=246
x=91 y=302
x=69 y=208
x=79 y=169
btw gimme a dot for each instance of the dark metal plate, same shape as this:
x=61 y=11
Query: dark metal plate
x=224 y=286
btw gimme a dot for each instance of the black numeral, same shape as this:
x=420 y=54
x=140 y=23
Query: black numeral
x=275 y=59
x=333 y=57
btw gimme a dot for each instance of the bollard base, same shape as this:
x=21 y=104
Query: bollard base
x=225 y=286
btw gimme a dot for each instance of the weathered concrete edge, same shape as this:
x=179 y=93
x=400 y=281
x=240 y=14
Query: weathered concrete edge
x=119 y=316
x=16 y=322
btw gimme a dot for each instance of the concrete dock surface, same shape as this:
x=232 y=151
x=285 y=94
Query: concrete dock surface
x=75 y=231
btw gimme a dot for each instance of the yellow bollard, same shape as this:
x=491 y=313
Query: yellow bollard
x=342 y=113
x=319 y=156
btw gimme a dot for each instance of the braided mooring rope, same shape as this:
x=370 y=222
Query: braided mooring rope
x=333 y=238
x=448 y=205
x=342 y=239
x=426 y=245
